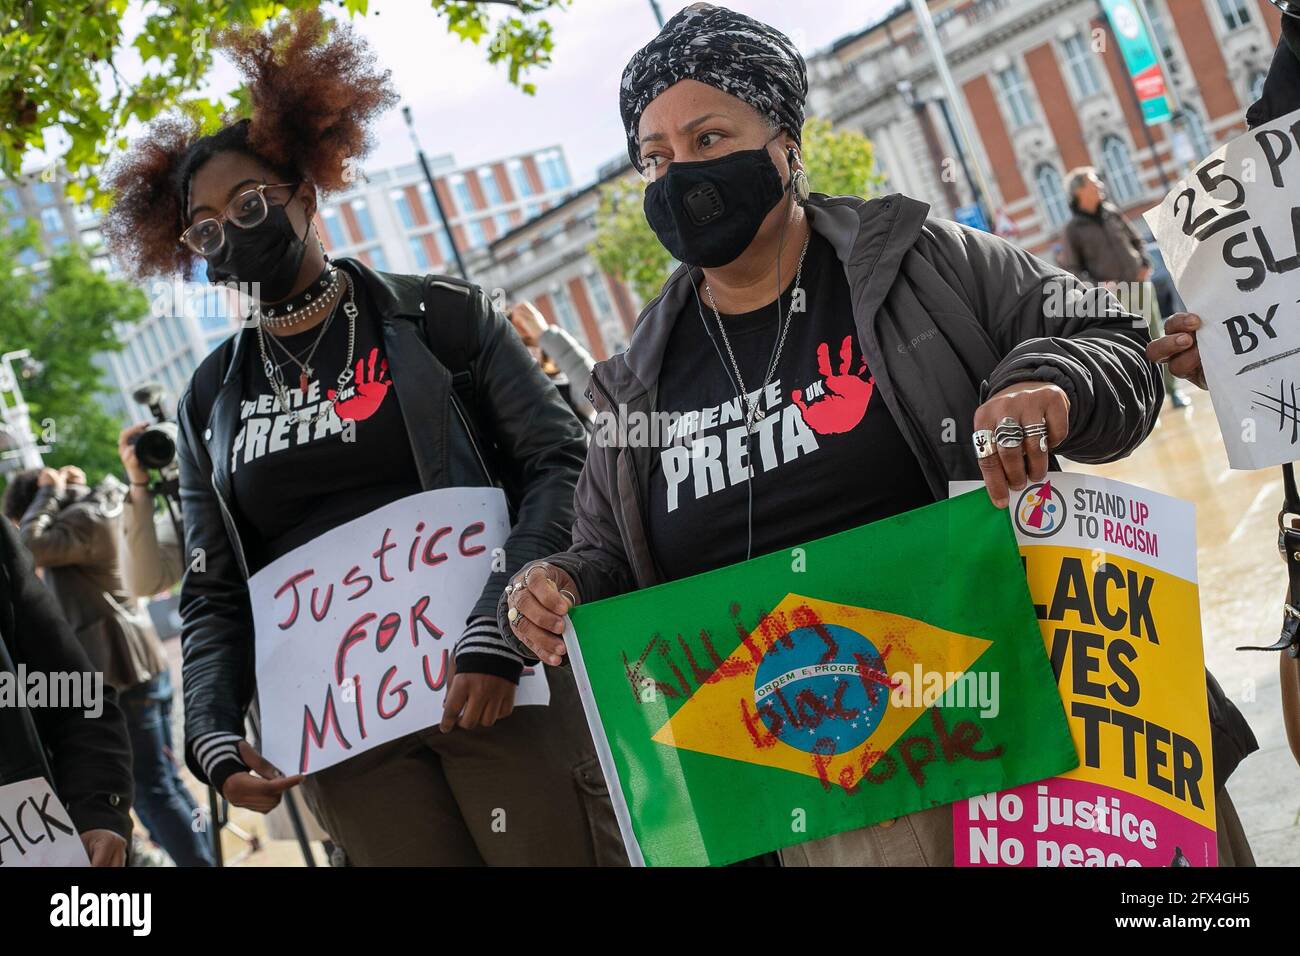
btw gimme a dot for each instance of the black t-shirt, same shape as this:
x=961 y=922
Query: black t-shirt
x=293 y=481
x=827 y=455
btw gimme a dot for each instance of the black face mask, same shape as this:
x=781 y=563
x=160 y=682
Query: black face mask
x=707 y=213
x=269 y=254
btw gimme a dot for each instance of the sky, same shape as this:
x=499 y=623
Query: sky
x=464 y=106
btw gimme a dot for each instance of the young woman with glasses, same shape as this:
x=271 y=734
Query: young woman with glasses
x=331 y=403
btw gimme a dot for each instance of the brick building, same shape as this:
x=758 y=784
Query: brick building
x=1047 y=90
x=388 y=220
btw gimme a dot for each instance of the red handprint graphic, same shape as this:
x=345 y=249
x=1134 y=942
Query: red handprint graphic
x=358 y=399
x=838 y=402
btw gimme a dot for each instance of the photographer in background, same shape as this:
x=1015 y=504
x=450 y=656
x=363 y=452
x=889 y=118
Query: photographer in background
x=151 y=551
x=72 y=532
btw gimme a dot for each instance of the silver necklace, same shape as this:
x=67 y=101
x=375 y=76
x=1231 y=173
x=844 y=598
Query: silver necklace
x=754 y=412
x=303 y=359
x=275 y=374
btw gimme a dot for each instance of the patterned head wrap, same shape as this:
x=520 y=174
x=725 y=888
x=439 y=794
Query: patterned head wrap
x=727 y=50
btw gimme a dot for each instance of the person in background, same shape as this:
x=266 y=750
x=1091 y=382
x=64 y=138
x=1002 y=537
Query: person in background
x=566 y=363
x=72 y=532
x=151 y=555
x=1100 y=246
x=86 y=759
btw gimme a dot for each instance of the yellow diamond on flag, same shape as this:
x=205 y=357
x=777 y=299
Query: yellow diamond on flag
x=809 y=689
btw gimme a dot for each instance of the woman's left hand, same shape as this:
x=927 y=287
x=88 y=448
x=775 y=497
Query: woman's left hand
x=104 y=847
x=1028 y=404
x=477 y=700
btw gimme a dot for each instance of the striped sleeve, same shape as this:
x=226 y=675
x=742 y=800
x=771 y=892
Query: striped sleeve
x=218 y=754
x=482 y=650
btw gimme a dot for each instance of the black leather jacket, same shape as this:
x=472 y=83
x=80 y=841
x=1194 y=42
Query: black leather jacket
x=518 y=434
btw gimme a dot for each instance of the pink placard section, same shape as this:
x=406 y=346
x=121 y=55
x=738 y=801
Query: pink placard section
x=1060 y=822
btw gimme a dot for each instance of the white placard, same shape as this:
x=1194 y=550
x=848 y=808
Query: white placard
x=35 y=829
x=1230 y=236
x=355 y=629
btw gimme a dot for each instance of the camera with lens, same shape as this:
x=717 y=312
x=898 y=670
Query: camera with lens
x=155 y=447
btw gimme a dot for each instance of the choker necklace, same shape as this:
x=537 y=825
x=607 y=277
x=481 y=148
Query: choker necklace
x=305 y=305
x=275 y=374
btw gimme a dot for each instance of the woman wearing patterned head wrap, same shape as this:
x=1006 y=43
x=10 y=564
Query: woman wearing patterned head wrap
x=835 y=360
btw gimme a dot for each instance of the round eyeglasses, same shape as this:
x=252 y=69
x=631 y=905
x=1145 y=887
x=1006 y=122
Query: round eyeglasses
x=248 y=209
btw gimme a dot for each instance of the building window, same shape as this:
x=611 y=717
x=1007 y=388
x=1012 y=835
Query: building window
x=1082 y=63
x=10 y=199
x=502 y=220
x=333 y=228
x=460 y=189
x=477 y=237
x=565 y=311
x=519 y=177
x=404 y=211
x=1121 y=176
x=419 y=253
x=1015 y=96
x=1235 y=13
x=51 y=221
x=1196 y=131
x=600 y=300
x=550 y=165
x=1164 y=39
x=444 y=245
x=43 y=193
x=378 y=259
x=1051 y=192
x=491 y=190
x=364 y=223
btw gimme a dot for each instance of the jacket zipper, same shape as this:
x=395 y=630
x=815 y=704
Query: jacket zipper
x=230 y=525
x=636 y=484
x=455 y=403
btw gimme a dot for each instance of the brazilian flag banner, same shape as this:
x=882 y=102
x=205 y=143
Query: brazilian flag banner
x=863 y=676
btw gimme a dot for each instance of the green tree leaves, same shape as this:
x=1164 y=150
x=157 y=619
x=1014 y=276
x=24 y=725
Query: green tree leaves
x=60 y=64
x=66 y=316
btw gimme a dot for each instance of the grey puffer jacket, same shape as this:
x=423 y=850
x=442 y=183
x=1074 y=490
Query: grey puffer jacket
x=946 y=316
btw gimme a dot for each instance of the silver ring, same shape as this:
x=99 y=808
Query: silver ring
x=983 y=441
x=1035 y=428
x=533 y=568
x=1042 y=443
x=1008 y=433
x=512 y=615
x=572 y=600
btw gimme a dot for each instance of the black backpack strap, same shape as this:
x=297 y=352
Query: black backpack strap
x=449 y=318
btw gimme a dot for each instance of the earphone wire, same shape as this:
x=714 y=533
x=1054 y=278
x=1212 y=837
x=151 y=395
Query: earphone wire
x=733 y=378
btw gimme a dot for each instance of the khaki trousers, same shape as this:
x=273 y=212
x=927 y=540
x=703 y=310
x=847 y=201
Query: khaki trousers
x=527 y=791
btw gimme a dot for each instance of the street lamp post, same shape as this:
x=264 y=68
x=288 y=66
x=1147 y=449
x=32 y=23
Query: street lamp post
x=17 y=416
x=433 y=191
x=963 y=140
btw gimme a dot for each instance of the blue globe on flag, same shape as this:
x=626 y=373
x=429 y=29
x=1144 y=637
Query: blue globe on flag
x=803 y=697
